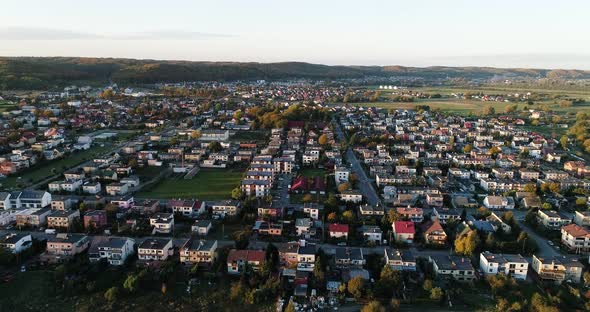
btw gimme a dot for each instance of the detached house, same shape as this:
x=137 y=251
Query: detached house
x=403 y=231
x=115 y=250
x=238 y=260
x=189 y=208
x=552 y=220
x=558 y=269
x=454 y=267
x=346 y=256
x=511 y=265
x=162 y=222
x=201 y=252
x=62 y=219
x=155 y=249
x=336 y=230
x=498 y=202
x=16 y=243
x=400 y=260
x=434 y=233
x=575 y=238
x=63 y=247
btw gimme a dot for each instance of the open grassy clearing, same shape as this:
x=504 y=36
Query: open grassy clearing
x=208 y=184
x=462 y=107
x=46 y=169
x=312 y=172
x=250 y=135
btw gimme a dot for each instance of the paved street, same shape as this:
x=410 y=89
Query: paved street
x=364 y=183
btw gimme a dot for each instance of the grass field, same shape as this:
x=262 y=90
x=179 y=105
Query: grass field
x=44 y=170
x=251 y=135
x=208 y=184
x=312 y=172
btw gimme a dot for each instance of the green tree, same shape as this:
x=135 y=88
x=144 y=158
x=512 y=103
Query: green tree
x=436 y=293
x=489 y=110
x=131 y=283
x=348 y=216
x=427 y=285
x=237 y=193
x=112 y=294
x=563 y=141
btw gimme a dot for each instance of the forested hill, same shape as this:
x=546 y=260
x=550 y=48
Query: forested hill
x=51 y=72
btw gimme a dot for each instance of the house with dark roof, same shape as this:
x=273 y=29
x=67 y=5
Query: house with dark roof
x=239 y=260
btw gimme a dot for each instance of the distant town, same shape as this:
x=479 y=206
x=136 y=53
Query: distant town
x=295 y=195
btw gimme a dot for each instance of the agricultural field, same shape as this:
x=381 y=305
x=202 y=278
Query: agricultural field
x=208 y=184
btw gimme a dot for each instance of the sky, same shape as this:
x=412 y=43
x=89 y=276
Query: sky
x=499 y=33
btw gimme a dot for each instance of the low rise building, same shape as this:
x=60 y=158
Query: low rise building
x=511 y=265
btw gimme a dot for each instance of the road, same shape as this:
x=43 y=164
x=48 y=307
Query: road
x=365 y=185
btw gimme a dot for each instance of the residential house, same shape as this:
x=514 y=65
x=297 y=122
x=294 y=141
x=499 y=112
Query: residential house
x=115 y=250
x=415 y=215
x=445 y=215
x=188 y=208
x=454 y=267
x=32 y=217
x=400 y=260
x=558 y=269
x=371 y=233
x=434 y=233
x=575 y=238
x=225 y=208
x=16 y=242
x=95 y=219
x=403 y=231
x=498 y=202
x=349 y=256
x=200 y=252
x=62 y=219
x=239 y=260
x=201 y=227
x=551 y=219
x=303 y=226
x=351 y=196
x=336 y=230
x=515 y=266
x=162 y=222
x=582 y=218
x=155 y=249
x=63 y=247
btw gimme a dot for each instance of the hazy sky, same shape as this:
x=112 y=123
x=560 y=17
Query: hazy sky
x=515 y=33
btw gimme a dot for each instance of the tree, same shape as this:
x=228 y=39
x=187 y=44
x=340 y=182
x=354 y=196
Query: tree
x=323 y=139
x=563 y=141
x=237 y=193
x=436 y=293
x=348 y=216
x=290 y=307
x=307 y=198
x=373 y=306
x=530 y=187
x=131 y=283
x=196 y=134
x=468 y=148
x=355 y=287
x=343 y=187
x=112 y=294
x=510 y=108
x=393 y=216
x=332 y=217
x=489 y=110
x=427 y=285
x=467 y=243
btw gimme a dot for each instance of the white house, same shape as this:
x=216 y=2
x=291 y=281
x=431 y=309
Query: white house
x=155 y=249
x=16 y=243
x=511 y=265
x=341 y=175
x=116 y=250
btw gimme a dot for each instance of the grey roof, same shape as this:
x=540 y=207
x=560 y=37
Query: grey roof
x=503 y=258
x=154 y=243
x=4 y=195
x=28 y=194
x=203 y=245
x=12 y=238
x=349 y=253
x=398 y=254
x=452 y=263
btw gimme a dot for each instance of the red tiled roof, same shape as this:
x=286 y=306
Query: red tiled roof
x=247 y=255
x=403 y=227
x=339 y=228
x=575 y=230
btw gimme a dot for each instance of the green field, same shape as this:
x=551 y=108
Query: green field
x=208 y=184
x=312 y=172
x=32 y=291
x=45 y=169
x=250 y=135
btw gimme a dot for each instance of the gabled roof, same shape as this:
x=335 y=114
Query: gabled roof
x=404 y=227
x=245 y=255
x=339 y=228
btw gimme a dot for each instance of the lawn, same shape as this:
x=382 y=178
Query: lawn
x=251 y=135
x=312 y=172
x=208 y=184
x=44 y=170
